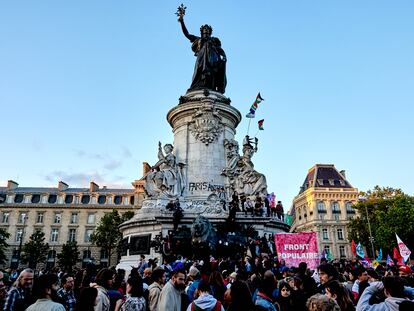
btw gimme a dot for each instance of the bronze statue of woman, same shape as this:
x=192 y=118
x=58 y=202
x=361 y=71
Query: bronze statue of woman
x=210 y=66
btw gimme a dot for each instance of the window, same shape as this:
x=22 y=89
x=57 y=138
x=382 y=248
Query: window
x=131 y=200
x=39 y=218
x=72 y=235
x=58 y=218
x=340 y=234
x=19 y=234
x=51 y=255
x=55 y=235
x=86 y=254
x=91 y=218
x=74 y=218
x=325 y=234
x=88 y=234
x=342 y=253
x=321 y=208
x=22 y=217
x=85 y=199
x=335 y=208
x=18 y=198
x=52 y=198
x=69 y=199
x=118 y=199
x=15 y=254
x=104 y=254
x=35 y=198
x=2 y=198
x=327 y=249
x=349 y=208
x=5 y=217
x=101 y=199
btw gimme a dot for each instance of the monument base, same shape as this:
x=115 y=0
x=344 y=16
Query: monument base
x=154 y=221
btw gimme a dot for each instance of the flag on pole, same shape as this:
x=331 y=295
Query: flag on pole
x=390 y=262
x=329 y=256
x=379 y=258
x=323 y=254
x=396 y=255
x=366 y=262
x=360 y=251
x=375 y=264
x=353 y=247
x=254 y=106
x=404 y=251
x=260 y=124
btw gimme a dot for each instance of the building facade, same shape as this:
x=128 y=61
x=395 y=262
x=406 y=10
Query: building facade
x=325 y=205
x=63 y=214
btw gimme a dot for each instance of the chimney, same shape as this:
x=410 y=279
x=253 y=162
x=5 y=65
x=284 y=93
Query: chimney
x=343 y=173
x=145 y=168
x=12 y=185
x=93 y=187
x=62 y=186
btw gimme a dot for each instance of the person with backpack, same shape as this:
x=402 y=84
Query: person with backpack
x=205 y=301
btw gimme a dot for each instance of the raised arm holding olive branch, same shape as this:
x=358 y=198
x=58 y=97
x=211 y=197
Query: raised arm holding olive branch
x=210 y=66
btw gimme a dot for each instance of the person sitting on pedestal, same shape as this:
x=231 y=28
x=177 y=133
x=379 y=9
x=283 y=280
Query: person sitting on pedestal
x=248 y=207
x=258 y=206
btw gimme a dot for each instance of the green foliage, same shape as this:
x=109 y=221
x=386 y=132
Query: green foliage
x=69 y=256
x=127 y=216
x=4 y=235
x=389 y=211
x=35 y=250
x=107 y=234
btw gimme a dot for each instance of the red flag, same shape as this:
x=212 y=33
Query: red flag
x=396 y=255
x=353 y=247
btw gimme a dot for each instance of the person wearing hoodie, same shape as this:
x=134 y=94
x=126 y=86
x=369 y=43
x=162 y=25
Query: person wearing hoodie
x=102 y=283
x=205 y=301
x=393 y=288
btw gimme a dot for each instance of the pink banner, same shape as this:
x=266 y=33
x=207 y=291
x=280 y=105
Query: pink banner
x=297 y=247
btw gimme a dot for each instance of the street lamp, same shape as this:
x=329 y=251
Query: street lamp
x=371 y=238
x=21 y=240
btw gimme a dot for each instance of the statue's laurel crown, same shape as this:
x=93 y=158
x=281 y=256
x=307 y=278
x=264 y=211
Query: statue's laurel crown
x=208 y=27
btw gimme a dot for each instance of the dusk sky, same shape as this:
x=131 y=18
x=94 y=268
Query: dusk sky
x=85 y=87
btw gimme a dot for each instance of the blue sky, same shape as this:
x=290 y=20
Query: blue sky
x=85 y=87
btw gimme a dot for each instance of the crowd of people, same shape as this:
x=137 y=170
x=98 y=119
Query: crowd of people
x=259 y=206
x=242 y=284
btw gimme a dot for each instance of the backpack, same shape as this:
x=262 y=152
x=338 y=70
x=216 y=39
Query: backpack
x=217 y=307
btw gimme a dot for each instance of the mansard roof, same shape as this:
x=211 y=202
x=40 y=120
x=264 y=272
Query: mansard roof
x=324 y=176
x=68 y=190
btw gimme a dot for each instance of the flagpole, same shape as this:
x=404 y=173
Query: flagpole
x=248 y=127
x=256 y=133
x=371 y=238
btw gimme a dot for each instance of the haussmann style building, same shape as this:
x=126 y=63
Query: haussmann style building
x=325 y=205
x=63 y=214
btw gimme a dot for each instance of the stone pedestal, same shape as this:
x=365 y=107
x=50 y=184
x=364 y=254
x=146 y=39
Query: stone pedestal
x=201 y=123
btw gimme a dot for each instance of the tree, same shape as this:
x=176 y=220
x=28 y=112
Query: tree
x=4 y=235
x=107 y=234
x=389 y=211
x=35 y=250
x=68 y=256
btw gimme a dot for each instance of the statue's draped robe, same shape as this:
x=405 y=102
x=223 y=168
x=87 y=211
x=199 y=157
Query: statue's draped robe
x=209 y=69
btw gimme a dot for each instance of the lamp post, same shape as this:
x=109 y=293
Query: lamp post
x=21 y=240
x=371 y=238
